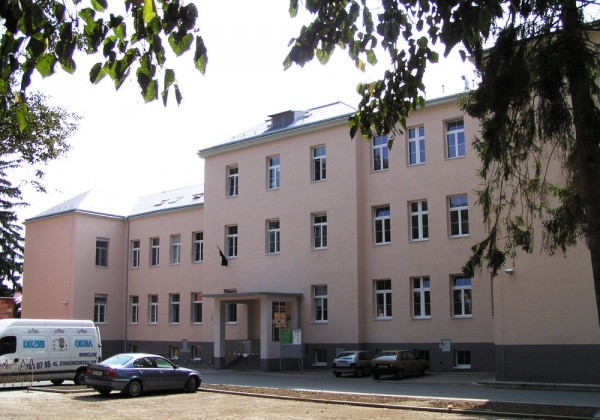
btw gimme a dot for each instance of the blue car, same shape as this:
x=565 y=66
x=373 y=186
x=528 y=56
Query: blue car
x=134 y=373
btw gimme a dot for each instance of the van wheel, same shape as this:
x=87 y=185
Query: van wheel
x=191 y=385
x=337 y=374
x=57 y=381
x=359 y=373
x=375 y=376
x=80 y=377
x=400 y=374
x=133 y=389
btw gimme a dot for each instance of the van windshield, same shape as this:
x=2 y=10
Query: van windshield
x=8 y=345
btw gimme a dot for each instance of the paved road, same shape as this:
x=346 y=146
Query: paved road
x=439 y=385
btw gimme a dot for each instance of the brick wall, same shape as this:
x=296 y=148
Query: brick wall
x=6 y=307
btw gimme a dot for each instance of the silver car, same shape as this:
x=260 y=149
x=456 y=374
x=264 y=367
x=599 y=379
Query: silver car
x=134 y=373
x=357 y=362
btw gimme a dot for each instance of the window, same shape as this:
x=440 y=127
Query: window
x=273 y=236
x=383 y=298
x=232 y=241
x=173 y=353
x=196 y=352
x=320 y=303
x=100 y=309
x=101 y=252
x=133 y=348
x=382 y=225
x=135 y=254
x=455 y=138
x=175 y=249
x=198 y=247
x=197 y=308
x=230 y=309
x=462 y=299
x=154 y=251
x=380 y=153
x=459 y=216
x=232 y=181
x=421 y=297
x=174 y=311
x=134 y=307
x=319 y=164
x=8 y=344
x=320 y=231
x=274 y=170
x=320 y=357
x=462 y=359
x=153 y=309
x=419 y=220
x=416 y=145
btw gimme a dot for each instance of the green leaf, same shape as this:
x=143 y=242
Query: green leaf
x=45 y=65
x=99 y=5
x=371 y=58
x=178 y=96
x=97 y=73
x=88 y=15
x=293 y=8
x=180 y=44
x=200 y=57
x=59 y=11
x=151 y=92
x=36 y=47
x=22 y=112
x=149 y=12
x=169 y=78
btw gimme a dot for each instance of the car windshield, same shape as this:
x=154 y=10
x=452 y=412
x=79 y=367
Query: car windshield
x=346 y=355
x=117 y=360
x=386 y=355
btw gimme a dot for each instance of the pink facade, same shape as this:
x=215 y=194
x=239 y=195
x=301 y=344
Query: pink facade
x=322 y=236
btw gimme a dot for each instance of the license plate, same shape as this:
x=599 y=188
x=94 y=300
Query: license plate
x=342 y=363
x=383 y=366
x=97 y=372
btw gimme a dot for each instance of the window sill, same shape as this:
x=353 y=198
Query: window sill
x=231 y=323
x=230 y=196
x=458 y=236
x=420 y=318
x=319 y=364
x=101 y=266
x=318 y=180
x=319 y=249
x=273 y=189
x=419 y=240
x=456 y=157
x=382 y=243
x=319 y=322
x=417 y=164
x=374 y=171
x=196 y=323
x=272 y=253
x=196 y=262
x=461 y=317
x=462 y=367
x=383 y=318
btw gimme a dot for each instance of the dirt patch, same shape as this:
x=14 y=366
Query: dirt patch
x=450 y=405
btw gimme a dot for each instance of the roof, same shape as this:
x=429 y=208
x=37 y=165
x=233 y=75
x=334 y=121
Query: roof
x=313 y=116
x=111 y=204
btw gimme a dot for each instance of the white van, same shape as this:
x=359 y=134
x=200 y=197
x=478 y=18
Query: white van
x=47 y=350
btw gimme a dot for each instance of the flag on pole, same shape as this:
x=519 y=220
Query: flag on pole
x=224 y=261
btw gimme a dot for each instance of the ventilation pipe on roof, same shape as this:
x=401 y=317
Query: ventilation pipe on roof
x=464 y=78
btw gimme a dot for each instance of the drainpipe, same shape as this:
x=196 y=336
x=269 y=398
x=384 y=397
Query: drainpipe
x=126 y=300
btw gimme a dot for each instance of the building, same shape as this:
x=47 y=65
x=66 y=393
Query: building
x=352 y=243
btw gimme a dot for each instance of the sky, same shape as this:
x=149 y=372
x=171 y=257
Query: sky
x=130 y=147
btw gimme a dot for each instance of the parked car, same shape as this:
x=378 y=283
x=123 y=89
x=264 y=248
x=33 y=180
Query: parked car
x=397 y=363
x=357 y=362
x=134 y=373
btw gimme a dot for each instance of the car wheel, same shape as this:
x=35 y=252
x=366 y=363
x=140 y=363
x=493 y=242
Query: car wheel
x=191 y=385
x=104 y=392
x=337 y=374
x=423 y=371
x=80 y=377
x=57 y=381
x=359 y=373
x=133 y=389
x=375 y=376
x=399 y=374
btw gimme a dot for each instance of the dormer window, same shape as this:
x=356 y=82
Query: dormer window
x=285 y=119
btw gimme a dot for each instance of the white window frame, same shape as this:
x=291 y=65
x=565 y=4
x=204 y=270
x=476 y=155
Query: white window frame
x=232 y=241
x=152 y=309
x=135 y=253
x=319 y=230
x=102 y=252
x=462 y=296
x=380 y=154
x=154 y=251
x=416 y=145
x=319 y=163
x=175 y=249
x=232 y=181
x=382 y=233
x=320 y=357
x=274 y=172
x=419 y=220
x=196 y=352
x=134 y=309
x=460 y=359
x=273 y=236
x=196 y=307
x=174 y=310
x=320 y=310
x=458 y=213
x=383 y=298
x=198 y=248
x=230 y=309
x=421 y=305
x=100 y=306
x=455 y=139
